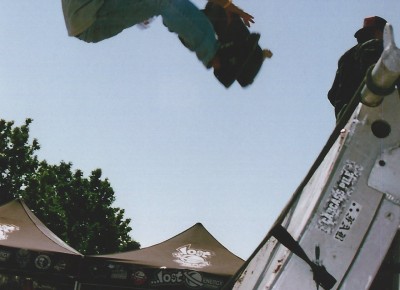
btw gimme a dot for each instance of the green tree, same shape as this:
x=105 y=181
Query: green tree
x=17 y=159
x=77 y=209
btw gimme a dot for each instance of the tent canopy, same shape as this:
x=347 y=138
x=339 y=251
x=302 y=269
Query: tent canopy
x=194 y=248
x=28 y=247
x=20 y=228
x=193 y=258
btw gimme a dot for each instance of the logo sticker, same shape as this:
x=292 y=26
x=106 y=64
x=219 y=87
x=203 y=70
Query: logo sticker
x=43 y=262
x=139 y=278
x=194 y=258
x=191 y=279
x=348 y=221
x=60 y=266
x=4 y=255
x=119 y=272
x=6 y=229
x=339 y=197
x=168 y=277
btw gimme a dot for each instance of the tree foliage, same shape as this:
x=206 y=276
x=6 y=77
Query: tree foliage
x=76 y=208
x=17 y=159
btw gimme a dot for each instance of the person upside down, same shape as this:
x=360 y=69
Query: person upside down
x=96 y=20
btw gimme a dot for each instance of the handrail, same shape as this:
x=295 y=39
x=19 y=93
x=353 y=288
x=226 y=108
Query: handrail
x=381 y=80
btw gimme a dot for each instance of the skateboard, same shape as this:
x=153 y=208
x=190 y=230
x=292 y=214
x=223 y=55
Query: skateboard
x=242 y=59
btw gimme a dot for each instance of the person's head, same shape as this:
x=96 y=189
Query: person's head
x=372 y=28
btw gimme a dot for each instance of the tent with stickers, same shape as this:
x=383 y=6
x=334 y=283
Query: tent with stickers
x=193 y=259
x=29 y=249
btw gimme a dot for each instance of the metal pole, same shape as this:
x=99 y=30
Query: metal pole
x=396 y=261
x=77 y=286
x=382 y=79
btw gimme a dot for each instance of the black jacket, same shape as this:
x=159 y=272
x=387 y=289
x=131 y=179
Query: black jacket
x=352 y=67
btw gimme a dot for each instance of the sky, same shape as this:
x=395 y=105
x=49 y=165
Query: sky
x=176 y=146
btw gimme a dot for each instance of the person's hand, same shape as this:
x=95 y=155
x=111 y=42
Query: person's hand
x=246 y=17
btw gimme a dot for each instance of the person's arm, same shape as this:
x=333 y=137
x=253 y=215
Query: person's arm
x=230 y=7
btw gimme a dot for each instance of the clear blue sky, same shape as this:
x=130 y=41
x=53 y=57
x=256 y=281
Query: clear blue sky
x=177 y=147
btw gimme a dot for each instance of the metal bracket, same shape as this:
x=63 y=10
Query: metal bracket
x=385 y=174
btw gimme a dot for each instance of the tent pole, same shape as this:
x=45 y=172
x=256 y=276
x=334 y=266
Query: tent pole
x=77 y=286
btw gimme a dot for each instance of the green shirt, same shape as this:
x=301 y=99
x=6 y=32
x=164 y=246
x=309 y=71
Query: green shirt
x=80 y=14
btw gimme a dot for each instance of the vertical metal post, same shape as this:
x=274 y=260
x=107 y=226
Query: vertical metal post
x=77 y=286
x=396 y=261
x=381 y=80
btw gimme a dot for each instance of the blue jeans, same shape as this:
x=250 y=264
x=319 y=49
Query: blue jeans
x=179 y=16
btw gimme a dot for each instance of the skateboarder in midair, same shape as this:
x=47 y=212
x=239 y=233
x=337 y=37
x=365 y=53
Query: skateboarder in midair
x=245 y=55
x=96 y=20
